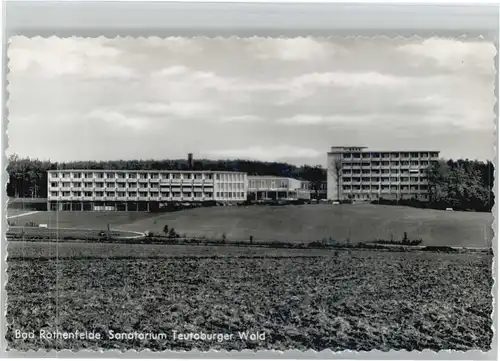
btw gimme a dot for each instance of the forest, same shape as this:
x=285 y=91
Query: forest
x=461 y=184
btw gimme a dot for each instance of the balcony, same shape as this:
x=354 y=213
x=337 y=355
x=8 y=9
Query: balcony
x=131 y=180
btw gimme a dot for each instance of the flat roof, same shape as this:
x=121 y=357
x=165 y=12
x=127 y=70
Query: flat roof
x=142 y=171
x=391 y=151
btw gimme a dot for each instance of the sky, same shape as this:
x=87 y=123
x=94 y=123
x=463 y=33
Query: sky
x=271 y=99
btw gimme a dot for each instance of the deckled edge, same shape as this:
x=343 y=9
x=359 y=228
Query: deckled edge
x=247 y=353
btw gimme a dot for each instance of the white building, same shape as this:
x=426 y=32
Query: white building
x=127 y=190
x=271 y=187
x=360 y=174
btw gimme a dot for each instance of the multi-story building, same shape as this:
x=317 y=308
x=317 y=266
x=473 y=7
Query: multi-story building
x=360 y=174
x=271 y=187
x=140 y=190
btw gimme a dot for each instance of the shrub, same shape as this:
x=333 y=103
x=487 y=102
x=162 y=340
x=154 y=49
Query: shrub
x=172 y=233
x=165 y=229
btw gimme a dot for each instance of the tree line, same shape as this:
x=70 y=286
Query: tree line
x=461 y=184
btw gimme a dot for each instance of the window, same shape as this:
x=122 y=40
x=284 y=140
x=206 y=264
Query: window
x=143 y=176
x=375 y=179
x=77 y=184
x=99 y=194
x=394 y=179
x=121 y=175
x=394 y=171
x=132 y=194
x=197 y=194
x=66 y=184
x=414 y=155
x=208 y=176
x=120 y=194
x=77 y=175
x=154 y=194
x=132 y=175
x=87 y=175
x=54 y=184
x=110 y=185
x=132 y=185
x=165 y=176
x=218 y=194
x=64 y=175
x=110 y=194
x=53 y=175
x=87 y=194
x=99 y=175
x=99 y=185
x=165 y=194
x=394 y=163
x=66 y=194
x=77 y=193
x=120 y=185
x=154 y=176
x=153 y=185
x=54 y=194
x=424 y=154
x=143 y=194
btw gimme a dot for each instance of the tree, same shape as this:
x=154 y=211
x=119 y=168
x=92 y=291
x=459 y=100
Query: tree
x=165 y=229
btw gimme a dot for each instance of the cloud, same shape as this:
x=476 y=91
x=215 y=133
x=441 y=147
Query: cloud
x=117 y=119
x=267 y=153
x=345 y=79
x=454 y=54
x=293 y=49
x=246 y=118
x=320 y=119
x=183 y=109
x=54 y=57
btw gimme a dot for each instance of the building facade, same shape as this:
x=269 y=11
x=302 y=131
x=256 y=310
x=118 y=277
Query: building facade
x=270 y=187
x=127 y=190
x=360 y=174
x=320 y=193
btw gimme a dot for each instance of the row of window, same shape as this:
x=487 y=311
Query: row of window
x=267 y=184
x=232 y=177
x=224 y=186
x=394 y=163
x=377 y=196
x=384 y=179
x=385 y=187
x=148 y=194
x=383 y=171
x=391 y=155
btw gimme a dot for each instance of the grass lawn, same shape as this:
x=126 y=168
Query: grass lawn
x=313 y=222
x=364 y=222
